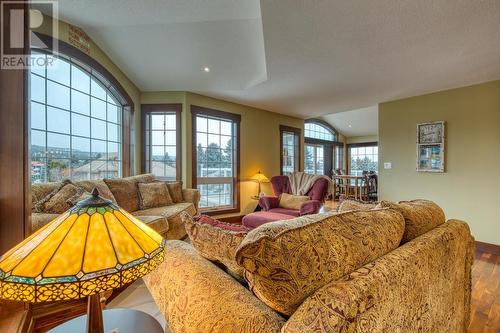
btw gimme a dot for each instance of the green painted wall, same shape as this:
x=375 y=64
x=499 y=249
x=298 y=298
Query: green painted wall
x=469 y=190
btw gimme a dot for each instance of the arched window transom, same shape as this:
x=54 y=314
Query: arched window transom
x=318 y=131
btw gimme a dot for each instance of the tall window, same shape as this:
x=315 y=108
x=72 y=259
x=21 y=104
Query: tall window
x=363 y=157
x=216 y=158
x=321 y=153
x=314 y=160
x=290 y=149
x=75 y=124
x=161 y=137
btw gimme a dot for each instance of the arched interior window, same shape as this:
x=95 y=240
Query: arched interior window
x=322 y=152
x=320 y=132
x=75 y=122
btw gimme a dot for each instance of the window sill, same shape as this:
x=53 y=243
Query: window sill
x=219 y=211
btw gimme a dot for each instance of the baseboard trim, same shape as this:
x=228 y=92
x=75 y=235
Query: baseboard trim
x=232 y=219
x=487 y=247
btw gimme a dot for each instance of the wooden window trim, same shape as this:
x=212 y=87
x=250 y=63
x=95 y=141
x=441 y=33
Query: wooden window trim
x=354 y=145
x=111 y=83
x=172 y=107
x=236 y=119
x=296 y=131
x=324 y=124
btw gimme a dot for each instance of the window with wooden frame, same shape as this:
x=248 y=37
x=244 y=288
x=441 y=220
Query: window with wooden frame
x=79 y=118
x=362 y=157
x=322 y=151
x=161 y=135
x=289 y=149
x=215 y=160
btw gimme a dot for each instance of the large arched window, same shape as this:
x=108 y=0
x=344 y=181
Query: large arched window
x=76 y=122
x=322 y=152
x=319 y=131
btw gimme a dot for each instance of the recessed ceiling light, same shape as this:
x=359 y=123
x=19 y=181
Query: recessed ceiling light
x=349 y=125
x=206 y=69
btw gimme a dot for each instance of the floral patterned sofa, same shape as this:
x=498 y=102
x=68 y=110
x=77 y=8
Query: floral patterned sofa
x=396 y=267
x=165 y=220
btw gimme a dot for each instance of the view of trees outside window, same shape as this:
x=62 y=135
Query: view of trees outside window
x=215 y=155
x=363 y=159
x=161 y=144
x=314 y=159
x=75 y=125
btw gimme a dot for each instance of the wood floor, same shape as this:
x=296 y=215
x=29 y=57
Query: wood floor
x=485 y=314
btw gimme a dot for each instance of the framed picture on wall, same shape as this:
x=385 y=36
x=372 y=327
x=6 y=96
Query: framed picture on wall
x=430 y=146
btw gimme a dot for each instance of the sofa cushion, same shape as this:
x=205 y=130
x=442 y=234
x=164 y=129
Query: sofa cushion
x=285 y=211
x=215 y=240
x=195 y=296
x=39 y=220
x=348 y=205
x=420 y=216
x=286 y=261
x=157 y=223
x=154 y=194
x=256 y=219
x=56 y=201
x=175 y=189
x=290 y=201
x=40 y=190
x=99 y=184
x=125 y=190
x=172 y=213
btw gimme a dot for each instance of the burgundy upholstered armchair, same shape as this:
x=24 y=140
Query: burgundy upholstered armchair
x=281 y=184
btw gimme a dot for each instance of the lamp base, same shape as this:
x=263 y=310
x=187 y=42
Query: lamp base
x=95 y=323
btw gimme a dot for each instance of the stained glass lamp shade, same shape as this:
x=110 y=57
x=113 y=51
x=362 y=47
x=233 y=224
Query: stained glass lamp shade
x=93 y=247
x=259 y=178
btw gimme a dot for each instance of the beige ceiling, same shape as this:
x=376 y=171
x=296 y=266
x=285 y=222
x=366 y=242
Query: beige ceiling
x=358 y=122
x=318 y=56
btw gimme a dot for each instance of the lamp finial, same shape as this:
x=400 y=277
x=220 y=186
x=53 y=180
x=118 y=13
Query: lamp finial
x=95 y=192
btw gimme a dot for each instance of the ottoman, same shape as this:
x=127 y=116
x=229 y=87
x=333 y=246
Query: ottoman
x=253 y=220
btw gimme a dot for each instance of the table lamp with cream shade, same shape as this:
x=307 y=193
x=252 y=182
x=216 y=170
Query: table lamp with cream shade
x=259 y=178
x=93 y=247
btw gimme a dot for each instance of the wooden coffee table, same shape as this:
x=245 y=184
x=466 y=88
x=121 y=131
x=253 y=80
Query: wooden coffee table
x=115 y=321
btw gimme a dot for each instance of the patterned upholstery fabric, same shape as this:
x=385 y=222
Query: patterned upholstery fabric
x=173 y=214
x=348 y=205
x=423 y=286
x=38 y=220
x=56 y=201
x=192 y=195
x=197 y=297
x=216 y=241
x=125 y=190
x=41 y=190
x=420 y=216
x=175 y=189
x=153 y=195
x=286 y=261
x=157 y=223
x=104 y=191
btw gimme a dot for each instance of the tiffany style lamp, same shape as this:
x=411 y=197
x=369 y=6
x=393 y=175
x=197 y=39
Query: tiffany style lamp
x=95 y=246
x=259 y=178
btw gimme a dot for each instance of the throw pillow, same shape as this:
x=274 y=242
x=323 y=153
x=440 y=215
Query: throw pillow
x=80 y=195
x=420 y=216
x=215 y=240
x=175 y=189
x=287 y=261
x=292 y=201
x=348 y=205
x=56 y=201
x=153 y=195
x=125 y=190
